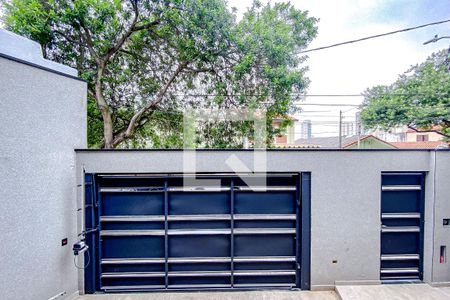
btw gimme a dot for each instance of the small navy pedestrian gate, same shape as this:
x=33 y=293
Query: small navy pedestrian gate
x=151 y=232
x=402 y=222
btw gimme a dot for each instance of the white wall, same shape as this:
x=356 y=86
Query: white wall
x=42 y=119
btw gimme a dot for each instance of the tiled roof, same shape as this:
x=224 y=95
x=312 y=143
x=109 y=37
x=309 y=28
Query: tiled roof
x=420 y=145
x=295 y=146
x=322 y=142
x=350 y=143
x=333 y=142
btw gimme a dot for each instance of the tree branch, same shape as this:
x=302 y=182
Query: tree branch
x=146 y=26
x=126 y=34
x=69 y=39
x=91 y=92
x=202 y=70
x=88 y=39
x=143 y=121
x=133 y=28
x=134 y=122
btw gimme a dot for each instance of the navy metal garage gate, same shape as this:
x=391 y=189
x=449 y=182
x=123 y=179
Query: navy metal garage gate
x=149 y=232
x=402 y=222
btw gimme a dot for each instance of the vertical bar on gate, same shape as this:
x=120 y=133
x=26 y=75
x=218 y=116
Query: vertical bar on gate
x=232 y=233
x=421 y=224
x=305 y=239
x=90 y=277
x=166 y=237
x=298 y=228
x=97 y=206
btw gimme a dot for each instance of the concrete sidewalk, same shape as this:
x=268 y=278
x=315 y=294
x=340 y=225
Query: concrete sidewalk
x=251 y=295
x=392 y=292
x=350 y=292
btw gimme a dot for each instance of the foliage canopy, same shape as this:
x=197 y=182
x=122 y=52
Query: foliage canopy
x=419 y=98
x=145 y=61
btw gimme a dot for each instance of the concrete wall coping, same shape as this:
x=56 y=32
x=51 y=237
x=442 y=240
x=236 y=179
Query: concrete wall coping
x=26 y=50
x=269 y=150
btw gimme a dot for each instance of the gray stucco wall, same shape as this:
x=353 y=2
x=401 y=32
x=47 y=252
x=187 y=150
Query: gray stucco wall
x=441 y=197
x=42 y=119
x=345 y=193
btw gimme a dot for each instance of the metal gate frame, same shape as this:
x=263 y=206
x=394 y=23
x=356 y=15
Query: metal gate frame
x=91 y=224
x=402 y=187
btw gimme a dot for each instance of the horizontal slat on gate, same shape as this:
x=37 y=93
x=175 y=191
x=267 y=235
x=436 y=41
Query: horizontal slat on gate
x=132 y=190
x=401 y=188
x=132 y=274
x=399 y=279
x=183 y=260
x=400 y=216
x=265 y=273
x=237 y=231
x=160 y=218
x=265 y=189
x=185 y=232
x=237 y=259
x=198 y=217
x=387 y=257
x=401 y=229
x=198 y=189
x=132 y=218
x=115 y=261
x=228 y=217
x=199 y=286
x=264 y=217
x=132 y=233
x=250 y=285
x=132 y=287
x=400 y=270
x=264 y=259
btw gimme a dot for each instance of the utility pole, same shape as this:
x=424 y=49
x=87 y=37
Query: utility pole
x=358 y=128
x=340 y=129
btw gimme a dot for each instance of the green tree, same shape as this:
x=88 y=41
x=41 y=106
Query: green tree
x=419 y=98
x=145 y=61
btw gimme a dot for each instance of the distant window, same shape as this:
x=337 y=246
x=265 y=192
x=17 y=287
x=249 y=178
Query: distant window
x=422 y=138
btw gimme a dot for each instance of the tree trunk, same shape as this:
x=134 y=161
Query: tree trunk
x=104 y=109
x=107 y=123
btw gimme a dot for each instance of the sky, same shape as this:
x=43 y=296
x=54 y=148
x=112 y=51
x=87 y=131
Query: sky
x=350 y=69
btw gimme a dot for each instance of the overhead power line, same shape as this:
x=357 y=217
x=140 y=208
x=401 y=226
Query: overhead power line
x=311 y=95
x=374 y=36
x=261 y=95
x=327 y=104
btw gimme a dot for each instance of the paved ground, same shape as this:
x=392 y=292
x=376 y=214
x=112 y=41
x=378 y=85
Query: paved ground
x=446 y=290
x=259 y=295
x=351 y=292
x=393 y=292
